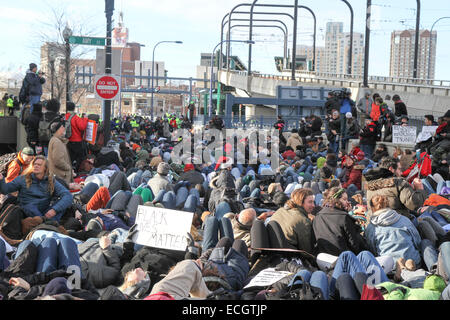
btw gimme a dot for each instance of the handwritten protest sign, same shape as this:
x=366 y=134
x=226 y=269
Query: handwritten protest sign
x=162 y=228
x=427 y=133
x=267 y=277
x=91 y=132
x=404 y=135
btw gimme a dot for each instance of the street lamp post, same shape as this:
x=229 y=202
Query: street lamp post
x=67 y=33
x=251 y=29
x=350 y=54
x=212 y=69
x=430 y=45
x=224 y=22
x=285 y=32
x=153 y=69
x=285 y=35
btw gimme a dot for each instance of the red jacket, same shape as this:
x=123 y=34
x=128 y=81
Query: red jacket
x=288 y=154
x=353 y=176
x=424 y=171
x=79 y=126
x=376 y=112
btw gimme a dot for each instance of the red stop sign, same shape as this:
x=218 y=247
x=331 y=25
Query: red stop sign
x=107 y=87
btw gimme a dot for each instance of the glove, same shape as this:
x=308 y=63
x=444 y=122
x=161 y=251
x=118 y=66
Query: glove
x=133 y=230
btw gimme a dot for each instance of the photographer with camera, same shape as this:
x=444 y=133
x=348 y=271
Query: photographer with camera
x=332 y=103
x=33 y=85
x=347 y=106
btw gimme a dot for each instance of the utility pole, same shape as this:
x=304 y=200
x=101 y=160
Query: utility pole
x=67 y=33
x=109 y=9
x=416 y=44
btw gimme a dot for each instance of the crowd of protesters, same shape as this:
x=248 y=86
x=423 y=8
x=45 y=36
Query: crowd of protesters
x=356 y=225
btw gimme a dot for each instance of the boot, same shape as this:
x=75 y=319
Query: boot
x=410 y=265
x=400 y=265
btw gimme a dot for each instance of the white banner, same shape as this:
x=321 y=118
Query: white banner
x=267 y=277
x=162 y=228
x=404 y=135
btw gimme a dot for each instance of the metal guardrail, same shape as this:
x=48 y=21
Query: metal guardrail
x=263 y=122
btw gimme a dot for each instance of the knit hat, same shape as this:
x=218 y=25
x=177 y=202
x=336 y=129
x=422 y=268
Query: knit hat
x=188 y=167
x=434 y=283
x=136 y=146
x=321 y=162
x=56 y=126
x=155 y=152
x=56 y=286
x=348 y=115
x=28 y=151
x=163 y=168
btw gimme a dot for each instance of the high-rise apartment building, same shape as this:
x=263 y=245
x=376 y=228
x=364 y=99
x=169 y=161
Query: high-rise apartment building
x=402 y=54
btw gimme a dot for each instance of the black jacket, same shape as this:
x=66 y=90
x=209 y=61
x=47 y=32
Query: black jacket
x=334 y=125
x=369 y=134
x=316 y=127
x=35 y=83
x=331 y=104
x=32 y=125
x=336 y=232
x=400 y=109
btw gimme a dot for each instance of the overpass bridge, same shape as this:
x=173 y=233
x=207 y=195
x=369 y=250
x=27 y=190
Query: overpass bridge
x=421 y=96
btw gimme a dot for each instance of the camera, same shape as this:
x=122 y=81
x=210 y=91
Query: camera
x=340 y=94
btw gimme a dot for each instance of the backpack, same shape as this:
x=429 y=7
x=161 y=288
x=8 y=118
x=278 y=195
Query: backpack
x=69 y=126
x=11 y=224
x=24 y=95
x=25 y=114
x=44 y=132
x=304 y=291
x=6 y=160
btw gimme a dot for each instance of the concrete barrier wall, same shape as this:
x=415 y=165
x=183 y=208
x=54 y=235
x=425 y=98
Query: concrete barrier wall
x=419 y=100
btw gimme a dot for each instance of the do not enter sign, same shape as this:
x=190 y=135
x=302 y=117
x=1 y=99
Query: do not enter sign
x=107 y=87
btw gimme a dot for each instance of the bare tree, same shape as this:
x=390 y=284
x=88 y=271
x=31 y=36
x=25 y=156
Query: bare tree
x=49 y=45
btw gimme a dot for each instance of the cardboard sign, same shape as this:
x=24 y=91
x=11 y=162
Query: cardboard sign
x=91 y=132
x=429 y=130
x=404 y=135
x=162 y=228
x=267 y=277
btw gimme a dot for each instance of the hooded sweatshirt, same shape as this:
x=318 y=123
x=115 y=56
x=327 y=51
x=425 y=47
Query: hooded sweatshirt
x=391 y=234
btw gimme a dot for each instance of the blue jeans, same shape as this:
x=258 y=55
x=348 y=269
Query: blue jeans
x=211 y=231
x=316 y=279
x=429 y=254
x=4 y=262
x=334 y=145
x=53 y=254
x=192 y=201
x=368 y=150
x=365 y=262
x=445 y=255
x=222 y=209
x=33 y=101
